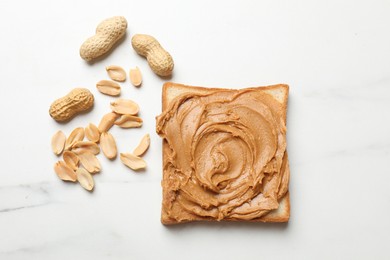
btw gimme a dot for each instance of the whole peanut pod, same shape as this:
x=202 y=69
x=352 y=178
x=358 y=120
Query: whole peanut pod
x=107 y=34
x=160 y=61
x=77 y=101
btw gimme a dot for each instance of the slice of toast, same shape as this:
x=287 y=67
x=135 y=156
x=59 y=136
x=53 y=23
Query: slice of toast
x=171 y=91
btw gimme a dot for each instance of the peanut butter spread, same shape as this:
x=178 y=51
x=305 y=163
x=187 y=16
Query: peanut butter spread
x=224 y=155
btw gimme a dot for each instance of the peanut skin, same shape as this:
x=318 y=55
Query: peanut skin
x=160 y=61
x=77 y=101
x=107 y=34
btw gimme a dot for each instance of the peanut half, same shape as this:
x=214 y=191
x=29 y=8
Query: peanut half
x=132 y=161
x=75 y=136
x=92 y=133
x=86 y=146
x=64 y=172
x=142 y=146
x=109 y=87
x=77 y=101
x=116 y=73
x=108 y=32
x=160 y=61
x=58 y=142
x=107 y=122
x=85 y=179
x=124 y=107
x=89 y=161
x=71 y=159
x=108 y=145
x=129 y=121
x=135 y=77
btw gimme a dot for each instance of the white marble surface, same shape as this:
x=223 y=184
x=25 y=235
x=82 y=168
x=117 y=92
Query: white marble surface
x=335 y=55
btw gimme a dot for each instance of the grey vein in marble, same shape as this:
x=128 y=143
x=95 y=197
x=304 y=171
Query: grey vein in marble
x=23 y=196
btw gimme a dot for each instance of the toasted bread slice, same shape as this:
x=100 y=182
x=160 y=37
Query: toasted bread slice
x=280 y=94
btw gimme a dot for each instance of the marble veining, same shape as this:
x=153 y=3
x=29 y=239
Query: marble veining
x=334 y=55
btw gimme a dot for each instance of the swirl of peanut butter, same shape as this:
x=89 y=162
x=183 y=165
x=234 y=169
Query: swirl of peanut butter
x=225 y=155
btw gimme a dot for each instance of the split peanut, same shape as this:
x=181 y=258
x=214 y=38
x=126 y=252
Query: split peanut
x=142 y=146
x=58 y=142
x=64 y=172
x=88 y=146
x=71 y=159
x=75 y=136
x=109 y=87
x=116 y=73
x=107 y=122
x=89 y=161
x=108 y=145
x=129 y=121
x=92 y=133
x=85 y=179
x=135 y=77
x=124 y=107
x=133 y=162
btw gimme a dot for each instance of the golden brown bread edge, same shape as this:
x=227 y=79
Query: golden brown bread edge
x=280 y=92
